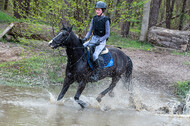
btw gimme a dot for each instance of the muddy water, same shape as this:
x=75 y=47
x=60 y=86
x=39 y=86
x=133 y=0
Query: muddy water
x=30 y=106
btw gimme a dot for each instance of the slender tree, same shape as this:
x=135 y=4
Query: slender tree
x=6 y=4
x=154 y=12
x=117 y=15
x=21 y=8
x=17 y=4
x=169 y=11
x=126 y=24
x=145 y=21
x=182 y=15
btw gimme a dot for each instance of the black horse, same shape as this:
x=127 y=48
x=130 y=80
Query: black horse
x=78 y=70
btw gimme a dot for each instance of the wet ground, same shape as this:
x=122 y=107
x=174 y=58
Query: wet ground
x=30 y=106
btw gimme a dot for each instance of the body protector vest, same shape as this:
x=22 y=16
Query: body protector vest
x=99 y=25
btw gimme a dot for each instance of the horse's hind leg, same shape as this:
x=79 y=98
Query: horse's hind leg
x=110 y=88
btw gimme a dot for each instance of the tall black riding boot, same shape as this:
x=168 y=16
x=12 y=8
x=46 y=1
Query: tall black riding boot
x=95 y=74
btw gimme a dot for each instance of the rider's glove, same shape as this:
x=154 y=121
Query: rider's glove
x=83 y=40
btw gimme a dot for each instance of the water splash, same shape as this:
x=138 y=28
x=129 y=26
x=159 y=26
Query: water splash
x=186 y=109
x=53 y=100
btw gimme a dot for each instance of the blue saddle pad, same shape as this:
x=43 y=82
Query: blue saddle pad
x=106 y=60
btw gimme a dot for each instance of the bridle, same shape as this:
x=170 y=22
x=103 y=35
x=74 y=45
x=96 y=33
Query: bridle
x=65 y=41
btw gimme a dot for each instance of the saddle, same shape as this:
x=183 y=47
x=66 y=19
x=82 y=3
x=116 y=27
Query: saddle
x=105 y=58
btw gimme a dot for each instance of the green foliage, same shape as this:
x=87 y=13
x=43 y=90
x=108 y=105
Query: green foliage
x=183 y=88
x=39 y=65
x=34 y=68
x=187 y=63
x=78 y=13
x=181 y=53
x=6 y=18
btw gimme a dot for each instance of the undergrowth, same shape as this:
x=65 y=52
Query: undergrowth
x=40 y=64
x=183 y=88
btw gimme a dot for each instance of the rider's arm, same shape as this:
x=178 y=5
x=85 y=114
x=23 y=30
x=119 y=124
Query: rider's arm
x=107 y=25
x=90 y=30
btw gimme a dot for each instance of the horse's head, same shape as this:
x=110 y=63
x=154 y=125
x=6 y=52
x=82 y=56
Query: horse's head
x=62 y=38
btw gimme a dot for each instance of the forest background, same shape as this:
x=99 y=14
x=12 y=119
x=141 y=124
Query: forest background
x=126 y=15
x=126 y=28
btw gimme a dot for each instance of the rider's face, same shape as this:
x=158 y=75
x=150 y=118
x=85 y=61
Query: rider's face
x=98 y=11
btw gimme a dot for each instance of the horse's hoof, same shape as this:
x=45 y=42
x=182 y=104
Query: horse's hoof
x=98 y=99
x=59 y=97
x=111 y=94
x=81 y=103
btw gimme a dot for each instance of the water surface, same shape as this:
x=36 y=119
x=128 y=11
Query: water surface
x=37 y=106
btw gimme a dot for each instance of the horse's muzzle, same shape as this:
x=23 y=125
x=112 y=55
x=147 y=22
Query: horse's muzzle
x=50 y=44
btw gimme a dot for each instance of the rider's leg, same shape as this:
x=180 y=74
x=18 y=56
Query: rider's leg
x=98 y=50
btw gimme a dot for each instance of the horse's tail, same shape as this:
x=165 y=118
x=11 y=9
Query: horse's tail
x=128 y=74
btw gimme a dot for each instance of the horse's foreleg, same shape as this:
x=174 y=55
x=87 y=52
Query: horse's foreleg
x=66 y=86
x=78 y=93
x=111 y=93
x=110 y=88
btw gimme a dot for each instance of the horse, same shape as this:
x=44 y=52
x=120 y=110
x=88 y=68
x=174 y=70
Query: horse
x=78 y=69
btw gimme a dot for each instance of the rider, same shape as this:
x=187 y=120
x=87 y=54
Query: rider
x=100 y=26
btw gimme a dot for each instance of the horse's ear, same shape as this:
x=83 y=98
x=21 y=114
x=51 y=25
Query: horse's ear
x=70 y=29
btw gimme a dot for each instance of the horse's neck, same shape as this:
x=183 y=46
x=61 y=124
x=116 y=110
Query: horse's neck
x=75 y=49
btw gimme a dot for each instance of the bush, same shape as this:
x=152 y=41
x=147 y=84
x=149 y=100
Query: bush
x=183 y=88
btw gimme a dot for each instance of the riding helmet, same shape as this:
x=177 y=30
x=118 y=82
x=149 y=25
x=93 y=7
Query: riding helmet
x=100 y=4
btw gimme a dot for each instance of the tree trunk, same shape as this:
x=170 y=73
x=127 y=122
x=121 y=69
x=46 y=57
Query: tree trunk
x=21 y=8
x=16 y=7
x=26 y=7
x=1 y=4
x=169 y=38
x=145 y=21
x=182 y=15
x=169 y=11
x=154 y=12
x=115 y=19
x=162 y=11
x=126 y=24
x=6 y=4
x=125 y=28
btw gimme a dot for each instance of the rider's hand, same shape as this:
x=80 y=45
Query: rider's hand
x=83 y=40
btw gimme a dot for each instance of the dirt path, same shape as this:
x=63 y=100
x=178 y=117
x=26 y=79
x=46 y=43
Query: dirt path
x=157 y=70
x=10 y=52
